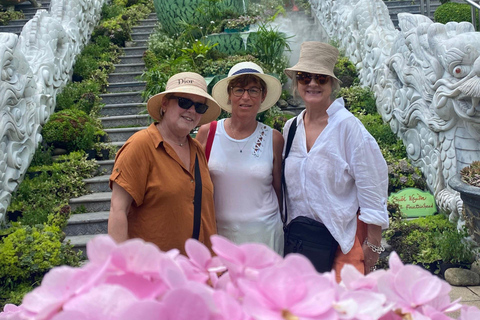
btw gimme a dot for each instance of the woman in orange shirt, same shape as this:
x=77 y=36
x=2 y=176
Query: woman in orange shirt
x=158 y=170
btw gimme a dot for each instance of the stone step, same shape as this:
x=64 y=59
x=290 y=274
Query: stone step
x=142 y=29
x=19 y=22
x=92 y=202
x=105 y=166
x=126 y=86
x=121 y=134
x=121 y=97
x=134 y=59
x=98 y=183
x=79 y=243
x=126 y=120
x=87 y=224
x=134 y=51
x=140 y=44
x=118 y=77
x=121 y=109
x=140 y=36
x=11 y=29
x=148 y=23
x=130 y=67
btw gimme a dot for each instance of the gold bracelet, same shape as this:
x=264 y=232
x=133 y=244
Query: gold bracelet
x=375 y=248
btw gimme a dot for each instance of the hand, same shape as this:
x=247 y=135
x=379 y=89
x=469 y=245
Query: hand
x=370 y=258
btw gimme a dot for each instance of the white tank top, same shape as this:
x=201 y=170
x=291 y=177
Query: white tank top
x=246 y=205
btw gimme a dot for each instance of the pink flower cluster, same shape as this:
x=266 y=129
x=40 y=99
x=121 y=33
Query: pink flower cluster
x=135 y=280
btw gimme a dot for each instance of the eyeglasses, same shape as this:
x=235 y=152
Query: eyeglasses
x=185 y=103
x=252 y=92
x=305 y=78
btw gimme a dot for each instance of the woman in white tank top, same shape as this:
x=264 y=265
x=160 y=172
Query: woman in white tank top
x=245 y=159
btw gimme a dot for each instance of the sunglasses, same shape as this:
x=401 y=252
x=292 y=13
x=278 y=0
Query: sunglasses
x=305 y=78
x=185 y=103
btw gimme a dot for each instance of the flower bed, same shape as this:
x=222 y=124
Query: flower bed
x=135 y=280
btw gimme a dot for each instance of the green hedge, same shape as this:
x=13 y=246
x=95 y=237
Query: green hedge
x=452 y=11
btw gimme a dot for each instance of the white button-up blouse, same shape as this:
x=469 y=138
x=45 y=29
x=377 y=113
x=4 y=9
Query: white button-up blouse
x=343 y=171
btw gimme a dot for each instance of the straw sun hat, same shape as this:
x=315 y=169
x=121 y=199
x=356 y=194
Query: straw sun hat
x=315 y=57
x=185 y=82
x=274 y=87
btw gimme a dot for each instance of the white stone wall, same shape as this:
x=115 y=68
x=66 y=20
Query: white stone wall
x=34 y=67
x=426 y=80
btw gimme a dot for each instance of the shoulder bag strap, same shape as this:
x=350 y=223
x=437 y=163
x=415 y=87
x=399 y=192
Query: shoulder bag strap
x=211 y=136
x=197 y=201
x=291 y=134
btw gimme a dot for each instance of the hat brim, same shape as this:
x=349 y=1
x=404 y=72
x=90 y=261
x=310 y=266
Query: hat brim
x=274 y=91
x=290 y=72
x=155 y=103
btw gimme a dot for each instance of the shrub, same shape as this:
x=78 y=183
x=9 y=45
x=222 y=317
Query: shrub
x=7 y=16
x=50 y=189
x=401 y=174
x=83 y=96
x=427 y=240
x=359 y=100
x=452 y=11
x=26 y=254
x=70 y=129
x=345 y=71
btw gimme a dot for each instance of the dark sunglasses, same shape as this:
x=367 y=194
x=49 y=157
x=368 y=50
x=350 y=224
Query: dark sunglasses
x=185 y=103
x=305 y=78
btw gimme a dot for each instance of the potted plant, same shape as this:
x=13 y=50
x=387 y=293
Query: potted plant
x=240 y=24
x=467 y=183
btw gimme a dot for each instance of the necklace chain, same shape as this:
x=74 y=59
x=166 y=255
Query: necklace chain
x=246 y=142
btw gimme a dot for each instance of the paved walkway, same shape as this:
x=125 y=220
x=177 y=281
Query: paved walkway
x=470 y=296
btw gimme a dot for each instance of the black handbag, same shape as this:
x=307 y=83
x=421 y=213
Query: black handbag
x=304 y=235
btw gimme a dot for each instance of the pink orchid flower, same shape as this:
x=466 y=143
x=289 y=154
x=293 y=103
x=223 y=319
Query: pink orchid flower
x=469 y=313
x=412 y=289
x=244 y=260
x=290 y=290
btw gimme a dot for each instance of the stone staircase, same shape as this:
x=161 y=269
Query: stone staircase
x=124 y=114
x=16 y=26
x=410 y=6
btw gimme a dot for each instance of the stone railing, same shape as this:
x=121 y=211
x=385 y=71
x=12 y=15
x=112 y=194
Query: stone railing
x=426 y=81
x=35 y=66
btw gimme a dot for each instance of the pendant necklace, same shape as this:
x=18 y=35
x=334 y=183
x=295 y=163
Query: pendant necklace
x=236 y=143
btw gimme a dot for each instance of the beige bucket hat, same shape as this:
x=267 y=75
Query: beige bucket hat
x=274 y=86
x=185 y=82
x=315 y=57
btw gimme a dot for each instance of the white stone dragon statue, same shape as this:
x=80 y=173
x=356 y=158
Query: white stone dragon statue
x=34 y=67
x=426 y=79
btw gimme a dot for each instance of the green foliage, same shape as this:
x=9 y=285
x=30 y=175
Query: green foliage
x=222 y=66
x=268 y=45
x=452 y=11
x=198 y=52
x=83 y=96
x=26 y=254
x=51 y=187
x=427 y=240
x=359 y=99
x=98 y=55
x=275 y=118
x=70 y=129
x=7 y=16
x=401 y=174
x=345 y=71
x=471 y=174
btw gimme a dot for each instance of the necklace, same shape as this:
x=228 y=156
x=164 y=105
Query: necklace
x=237 y=142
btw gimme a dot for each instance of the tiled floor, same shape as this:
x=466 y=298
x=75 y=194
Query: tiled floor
x=470 y=296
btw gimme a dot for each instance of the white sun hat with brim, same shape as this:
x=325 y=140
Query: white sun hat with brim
x=185 y=82
x=274 y=87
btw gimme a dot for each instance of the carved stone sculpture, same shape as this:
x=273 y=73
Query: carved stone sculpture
x=35 y=66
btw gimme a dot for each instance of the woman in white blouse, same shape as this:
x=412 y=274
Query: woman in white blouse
x=335 y=172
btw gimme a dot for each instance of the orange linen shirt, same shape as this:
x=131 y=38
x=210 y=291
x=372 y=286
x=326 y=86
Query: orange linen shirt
x=163 y=190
